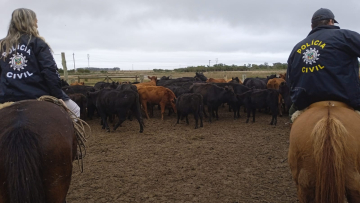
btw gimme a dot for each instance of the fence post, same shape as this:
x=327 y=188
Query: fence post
x=78 y=79
x=64 y=66
x=136 y=77
x=243 y=77
x=141 y=78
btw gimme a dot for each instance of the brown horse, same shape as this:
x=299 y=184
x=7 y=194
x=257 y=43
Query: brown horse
x=324 y=153
x=37 y=147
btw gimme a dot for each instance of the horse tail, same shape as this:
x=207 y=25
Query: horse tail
x=329 y=136
x=22 y=166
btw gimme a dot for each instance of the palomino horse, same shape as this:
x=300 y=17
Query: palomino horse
x=37 y=147
x=324 y=153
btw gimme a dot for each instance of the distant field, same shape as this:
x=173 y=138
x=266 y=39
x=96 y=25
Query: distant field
x=97 y=77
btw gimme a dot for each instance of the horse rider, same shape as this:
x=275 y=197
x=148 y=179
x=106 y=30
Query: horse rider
x=325 y=66
x=27 y=66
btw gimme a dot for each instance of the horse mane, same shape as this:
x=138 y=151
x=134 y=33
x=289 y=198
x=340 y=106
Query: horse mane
x=21 y=150
x=329 y=136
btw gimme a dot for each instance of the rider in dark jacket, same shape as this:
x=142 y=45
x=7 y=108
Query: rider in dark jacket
x=27 y=67
x=29 y=71
x=325 y=66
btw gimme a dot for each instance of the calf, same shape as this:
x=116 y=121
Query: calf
x=109 y=102
x=257 y=99
x=156 y=95
x=214 y=96
x=190 y=103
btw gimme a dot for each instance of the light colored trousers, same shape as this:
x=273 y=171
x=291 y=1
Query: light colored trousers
x=73 y=107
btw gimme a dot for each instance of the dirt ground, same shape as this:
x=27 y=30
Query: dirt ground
x=227 y=161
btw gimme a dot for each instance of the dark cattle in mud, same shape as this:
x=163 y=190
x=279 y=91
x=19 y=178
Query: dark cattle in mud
x=238 y=89
x=258 y=99
x=214 y=96
x=109 y=102
x=190 y=103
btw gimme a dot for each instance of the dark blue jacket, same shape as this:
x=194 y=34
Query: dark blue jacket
x=325 y=66
x=29 y=71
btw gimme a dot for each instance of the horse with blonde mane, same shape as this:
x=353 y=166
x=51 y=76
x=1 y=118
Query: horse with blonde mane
x=324 y=153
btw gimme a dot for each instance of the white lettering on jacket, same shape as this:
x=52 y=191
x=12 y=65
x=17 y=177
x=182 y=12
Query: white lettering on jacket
x=18 y=75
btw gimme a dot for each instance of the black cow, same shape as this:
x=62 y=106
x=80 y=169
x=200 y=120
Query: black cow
x=190 y=103
x=127 y=87
x=103 y=85
x=257 y=99
x=200 y=76
x=64 y=83
x=214 y=96
x=238 y=89
x=235 y=80
x=257 y=83
x=284 y=90
x=81 y=89
x=109 y=102
x=81 y=101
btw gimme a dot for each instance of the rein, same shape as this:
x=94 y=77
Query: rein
x=79 y=125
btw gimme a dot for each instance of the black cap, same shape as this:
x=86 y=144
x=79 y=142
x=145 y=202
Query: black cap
x=323 y=14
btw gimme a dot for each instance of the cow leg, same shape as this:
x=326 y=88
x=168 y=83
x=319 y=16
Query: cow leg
x=122 y=117
x=210 y=113
x=203 y=110
x=187 y=120
x=196 y=117
x=253 y=111
x=144 y=104
x=248 y=115
x=216 y=112
x=201 y=119
x=162 y=106
x=137 y=113
x=178 y=117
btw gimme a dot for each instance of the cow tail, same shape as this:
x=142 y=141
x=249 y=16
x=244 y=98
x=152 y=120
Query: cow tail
x=137 y=101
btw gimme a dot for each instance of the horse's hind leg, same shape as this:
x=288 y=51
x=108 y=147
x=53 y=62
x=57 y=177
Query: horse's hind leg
x=353 y=188
x=306 y=195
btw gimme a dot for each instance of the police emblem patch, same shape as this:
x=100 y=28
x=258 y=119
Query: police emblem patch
x=311 y=55
x=18 y=61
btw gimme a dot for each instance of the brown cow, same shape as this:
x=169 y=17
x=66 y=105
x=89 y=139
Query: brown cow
x=216 y=80
x=283 y=76
x=77 y=83
x=151 y=83
x=156 y=95
x=274 y=84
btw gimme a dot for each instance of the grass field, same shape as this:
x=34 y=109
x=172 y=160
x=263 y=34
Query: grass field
x=93 y=78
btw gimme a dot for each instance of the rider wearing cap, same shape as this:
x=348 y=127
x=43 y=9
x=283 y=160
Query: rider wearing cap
x=325 y=66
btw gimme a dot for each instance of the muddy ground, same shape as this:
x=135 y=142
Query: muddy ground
x=226 y=161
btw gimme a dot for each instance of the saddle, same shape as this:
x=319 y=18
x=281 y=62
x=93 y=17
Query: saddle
x=319 y=104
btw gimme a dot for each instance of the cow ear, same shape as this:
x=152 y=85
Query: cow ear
x=149 y=77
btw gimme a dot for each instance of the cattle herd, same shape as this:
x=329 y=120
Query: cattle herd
x=183 y=96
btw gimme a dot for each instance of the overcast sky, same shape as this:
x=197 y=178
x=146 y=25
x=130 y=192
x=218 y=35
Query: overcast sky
x=168 y=34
